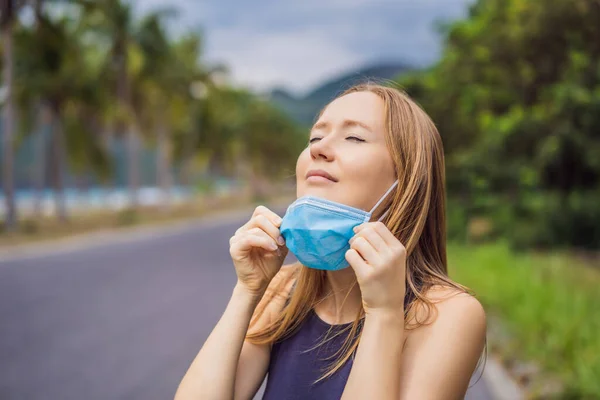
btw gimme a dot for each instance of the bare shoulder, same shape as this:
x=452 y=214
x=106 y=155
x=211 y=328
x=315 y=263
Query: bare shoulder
x=445 y=345
x=447 y=297
x=275 y=296
x=450 y=309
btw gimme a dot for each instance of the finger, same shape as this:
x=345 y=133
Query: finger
x=271 y=216
x=260 y=210
x=251 y=241
x=251 y=231
x=366 y=250
x=262 y=233
x=373 y=237
x=387 y=236
x=263 y=223
x=281 y=250
x=360 y=227
x=360 y=267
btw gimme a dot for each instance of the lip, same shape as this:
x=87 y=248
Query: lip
x=320 y=174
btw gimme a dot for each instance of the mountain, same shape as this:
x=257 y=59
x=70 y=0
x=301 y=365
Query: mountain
x=304 y=109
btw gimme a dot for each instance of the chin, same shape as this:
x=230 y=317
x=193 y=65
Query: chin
x=316 y=191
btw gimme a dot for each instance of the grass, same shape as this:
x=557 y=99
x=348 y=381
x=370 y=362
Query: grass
x=548 y=303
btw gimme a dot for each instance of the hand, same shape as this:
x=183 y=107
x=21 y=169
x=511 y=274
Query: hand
x=379 y=261
x=258 y=250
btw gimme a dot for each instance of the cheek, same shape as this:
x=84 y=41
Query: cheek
x=301 y=169
x=302 y=163
x=370 y=175
x=363 y=167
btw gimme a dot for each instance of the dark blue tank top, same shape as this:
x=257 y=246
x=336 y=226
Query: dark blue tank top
x=293 y=370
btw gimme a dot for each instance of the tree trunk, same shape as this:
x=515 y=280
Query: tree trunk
x=58 y=158
x=124 y=96
x=38 y=9
x=189 y=150
x=8 y=131
x=163 y=164
x=44 y=120
x=133 y=166
x=40 y=143
x=110 y=183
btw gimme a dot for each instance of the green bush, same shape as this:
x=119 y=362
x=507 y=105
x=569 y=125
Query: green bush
x=127 y=217
x=30 y=227
x=550 y=220
x=550 y=304
x=205 y=185
x=521 y=135
x=456 y=220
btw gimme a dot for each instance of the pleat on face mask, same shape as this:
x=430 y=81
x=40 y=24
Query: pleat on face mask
x=317 y=231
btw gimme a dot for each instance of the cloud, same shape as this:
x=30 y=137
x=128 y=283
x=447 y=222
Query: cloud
x=293 y=59
x=299 y=43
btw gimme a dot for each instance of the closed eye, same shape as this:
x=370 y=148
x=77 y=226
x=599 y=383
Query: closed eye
x=357 y=139
x=353 y=138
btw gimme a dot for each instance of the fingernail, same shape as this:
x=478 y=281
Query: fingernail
x=281 y=240
x=355 y=228
x=273 y=246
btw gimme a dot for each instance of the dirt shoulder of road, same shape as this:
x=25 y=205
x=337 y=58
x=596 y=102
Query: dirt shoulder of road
x=49 y=230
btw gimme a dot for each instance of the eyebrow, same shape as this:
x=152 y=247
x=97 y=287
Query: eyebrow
x=348 y=123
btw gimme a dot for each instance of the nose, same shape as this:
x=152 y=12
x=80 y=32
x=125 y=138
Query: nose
x=322 y=149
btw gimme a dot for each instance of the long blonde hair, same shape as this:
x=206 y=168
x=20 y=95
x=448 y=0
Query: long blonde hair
x=416 y=218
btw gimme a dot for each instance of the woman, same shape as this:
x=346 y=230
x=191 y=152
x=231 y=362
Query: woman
x=384 y=323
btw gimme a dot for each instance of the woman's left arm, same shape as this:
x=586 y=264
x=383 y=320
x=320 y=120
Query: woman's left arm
x=376 y=367
x=438 y=360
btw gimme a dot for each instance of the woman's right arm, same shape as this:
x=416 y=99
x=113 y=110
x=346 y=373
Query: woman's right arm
x=221 y=353
x=227 y=367
x=212 y=373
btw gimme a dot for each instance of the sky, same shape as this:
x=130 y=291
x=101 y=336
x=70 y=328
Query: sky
x=299 y=44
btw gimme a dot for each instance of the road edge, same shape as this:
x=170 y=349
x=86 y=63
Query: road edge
x=125 y=234
x=500 y=383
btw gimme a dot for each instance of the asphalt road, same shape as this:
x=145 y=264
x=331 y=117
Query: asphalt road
x=117 y=318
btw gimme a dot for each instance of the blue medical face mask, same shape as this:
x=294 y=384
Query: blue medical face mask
x=317 y=231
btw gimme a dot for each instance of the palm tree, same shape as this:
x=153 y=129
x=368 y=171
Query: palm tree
x=113 y=20
x=119 y=27
x=43 y=117
x=162 y=98
x=53 y=73
x=43 y=52
x=152 y=95
x=197 y=81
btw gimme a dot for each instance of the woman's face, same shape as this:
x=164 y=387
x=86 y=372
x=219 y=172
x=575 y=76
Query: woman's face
x=347 y=160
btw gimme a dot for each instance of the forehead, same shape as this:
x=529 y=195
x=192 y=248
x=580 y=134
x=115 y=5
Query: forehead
x=365 y=107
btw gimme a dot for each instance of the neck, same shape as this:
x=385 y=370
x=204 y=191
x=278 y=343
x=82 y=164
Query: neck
x=342 y=297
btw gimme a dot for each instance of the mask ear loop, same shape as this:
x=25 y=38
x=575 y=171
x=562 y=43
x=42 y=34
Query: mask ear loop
x=384 y=197
x=383 y=215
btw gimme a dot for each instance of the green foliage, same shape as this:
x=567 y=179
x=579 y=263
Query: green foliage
x=205 y=185
x=549 y=304
x=238 y=132
x=127 y=217
x=516 y=97
x=30 y=227
x=97 y=71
